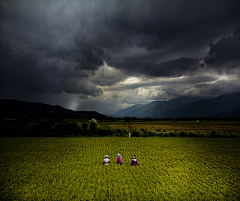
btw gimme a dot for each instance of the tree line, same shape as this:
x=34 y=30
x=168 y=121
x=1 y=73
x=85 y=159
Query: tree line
x=54 y=126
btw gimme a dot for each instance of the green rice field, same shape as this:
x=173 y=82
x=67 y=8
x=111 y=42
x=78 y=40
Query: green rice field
x=71 y=168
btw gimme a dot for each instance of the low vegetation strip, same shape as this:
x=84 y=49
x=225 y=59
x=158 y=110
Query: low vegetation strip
x=221 y=129
x=71 y=169
x=23 y=126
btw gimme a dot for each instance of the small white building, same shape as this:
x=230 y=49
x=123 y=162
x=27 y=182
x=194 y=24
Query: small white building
x=93 y=120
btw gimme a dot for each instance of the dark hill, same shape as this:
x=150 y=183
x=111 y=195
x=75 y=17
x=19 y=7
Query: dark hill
x=231 y=114
x=10 y=108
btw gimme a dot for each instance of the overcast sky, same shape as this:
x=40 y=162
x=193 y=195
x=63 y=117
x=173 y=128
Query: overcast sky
x=106 y=55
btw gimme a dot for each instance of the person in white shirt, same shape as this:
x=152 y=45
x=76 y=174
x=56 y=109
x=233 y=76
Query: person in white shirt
x=106 y=160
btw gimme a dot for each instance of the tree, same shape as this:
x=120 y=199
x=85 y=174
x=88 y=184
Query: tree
x=84 y=126
x=127 y=119
x=135 y=133
x=93 y=127
x=21 y=119
x=53 y=117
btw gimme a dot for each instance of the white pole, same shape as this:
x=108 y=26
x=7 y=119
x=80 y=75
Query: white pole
x=129 y=134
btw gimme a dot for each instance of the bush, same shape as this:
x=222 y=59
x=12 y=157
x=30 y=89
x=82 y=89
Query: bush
x=21 y=120
x=75 y=128
x=147 y=133
x=93 y=128
x=4 y=122
x=135 y=133
x=103 y=132
x=159 y=134
x=121 y=132
x=191 y=134
x=233 y=136
x=43 y=126
x=67 y=129
x=84 y=126
x=62 y=128
x=20 y=132
x=183 y=134
x=213 y=133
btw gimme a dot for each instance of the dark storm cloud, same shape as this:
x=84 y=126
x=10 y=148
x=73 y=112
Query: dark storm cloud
x=29 y=73
x=80 y=86
x=64 y=46
x=169 y=30
x=174 y=68
x=23 y=71
x=225 y=54
x=38 y=44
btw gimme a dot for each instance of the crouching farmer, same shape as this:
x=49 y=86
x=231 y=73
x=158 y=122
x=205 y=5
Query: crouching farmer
x=106 y=160
x=119 y=159
x=134 y=161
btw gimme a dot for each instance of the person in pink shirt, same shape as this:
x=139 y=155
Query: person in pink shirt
x=119 y=159
x=134 y=161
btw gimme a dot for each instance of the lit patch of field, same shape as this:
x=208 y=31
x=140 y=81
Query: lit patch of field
x=173 y=127
x=71 y=169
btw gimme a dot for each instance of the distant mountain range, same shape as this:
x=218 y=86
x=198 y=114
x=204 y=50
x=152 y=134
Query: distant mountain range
x=123 y=112
x=11 y=108
x=224 y=106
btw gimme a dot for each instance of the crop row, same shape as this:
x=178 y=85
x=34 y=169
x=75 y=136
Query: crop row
x=71 y=168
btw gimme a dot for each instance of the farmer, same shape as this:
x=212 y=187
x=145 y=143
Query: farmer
x=134 y=161
x=106 y=160
x=119 y=159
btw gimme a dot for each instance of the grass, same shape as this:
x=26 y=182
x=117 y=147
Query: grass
x=103 y=126
x=71 y=169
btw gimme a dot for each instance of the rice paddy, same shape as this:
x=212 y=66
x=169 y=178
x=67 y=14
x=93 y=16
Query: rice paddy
x=72 y=169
